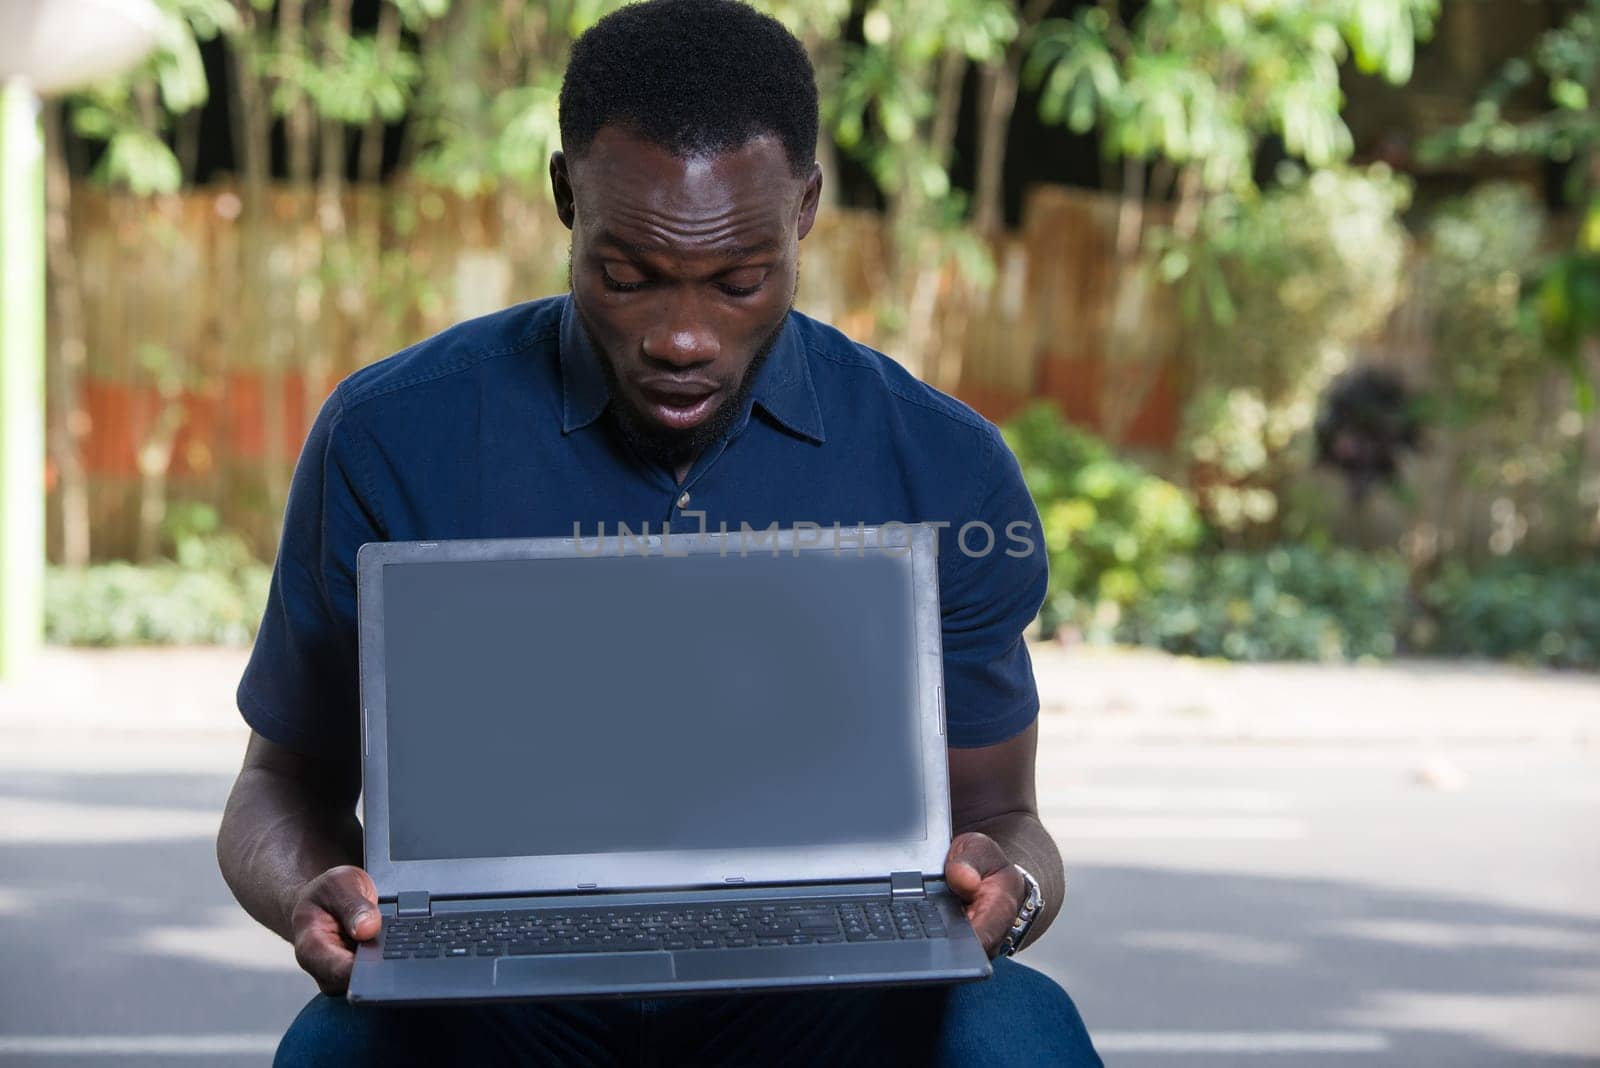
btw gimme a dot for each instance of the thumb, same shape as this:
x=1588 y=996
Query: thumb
x=363 y=922
x=354 y=901
x=962 y=877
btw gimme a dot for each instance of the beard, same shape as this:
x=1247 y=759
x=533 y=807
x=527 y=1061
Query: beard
x=669 y=446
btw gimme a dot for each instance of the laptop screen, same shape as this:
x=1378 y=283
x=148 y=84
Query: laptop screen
x=630 y=703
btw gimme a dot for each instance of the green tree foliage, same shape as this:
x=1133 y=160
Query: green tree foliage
x=1511 y=435
x=1109 y=526
x=133 y=114
x=486 y=112
x=1482 y=248
x=1565 y=295
x=888 y=106
x=1537 y=309
x=1198 y=84
x=1182 y=94
x=348 y=79
x=1280 y=290
x=485 y=108
x=895 y=105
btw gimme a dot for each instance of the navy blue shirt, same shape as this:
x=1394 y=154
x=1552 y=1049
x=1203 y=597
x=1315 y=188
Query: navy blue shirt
x=496 y=428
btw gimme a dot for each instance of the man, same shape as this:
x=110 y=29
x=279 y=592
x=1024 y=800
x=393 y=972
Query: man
x=674 y=384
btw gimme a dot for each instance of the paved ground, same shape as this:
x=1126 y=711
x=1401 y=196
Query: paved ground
x=1300 y=866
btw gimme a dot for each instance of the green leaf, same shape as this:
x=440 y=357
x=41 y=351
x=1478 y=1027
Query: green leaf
x=1569 y=94
x=141 y=162
x=898 y=122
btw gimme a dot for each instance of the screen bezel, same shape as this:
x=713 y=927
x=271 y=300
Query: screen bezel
x=640 y=870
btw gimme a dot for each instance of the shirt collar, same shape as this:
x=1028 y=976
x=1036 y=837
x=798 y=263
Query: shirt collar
x=783 y=387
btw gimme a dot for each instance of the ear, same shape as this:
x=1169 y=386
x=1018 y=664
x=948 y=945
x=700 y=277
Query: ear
x=809 y=201
x=561 y=187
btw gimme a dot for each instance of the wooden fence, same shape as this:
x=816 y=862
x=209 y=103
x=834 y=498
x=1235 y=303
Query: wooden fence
x=209 y=337
x=194 y=338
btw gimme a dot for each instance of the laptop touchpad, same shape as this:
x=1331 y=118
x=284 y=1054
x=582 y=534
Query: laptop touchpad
x=608 y=969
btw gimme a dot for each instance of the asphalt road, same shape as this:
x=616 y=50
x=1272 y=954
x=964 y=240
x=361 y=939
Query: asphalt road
x=1359 y=900
x=1321 y=905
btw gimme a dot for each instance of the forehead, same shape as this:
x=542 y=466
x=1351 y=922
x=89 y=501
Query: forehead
x=630 y=188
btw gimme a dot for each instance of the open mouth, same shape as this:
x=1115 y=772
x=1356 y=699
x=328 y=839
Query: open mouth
x=678 y=410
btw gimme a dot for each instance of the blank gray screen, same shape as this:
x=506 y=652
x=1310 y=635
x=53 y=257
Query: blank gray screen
x=624 y=703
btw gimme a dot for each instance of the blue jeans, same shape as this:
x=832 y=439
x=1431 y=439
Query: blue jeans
x=1017 y=1017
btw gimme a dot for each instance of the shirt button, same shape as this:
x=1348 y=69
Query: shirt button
x=683 y=499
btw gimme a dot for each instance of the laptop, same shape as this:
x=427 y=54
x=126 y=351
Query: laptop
x=642 y=765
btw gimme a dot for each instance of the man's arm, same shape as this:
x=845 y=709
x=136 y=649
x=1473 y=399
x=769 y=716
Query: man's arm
x=290 y=850
x=994 y=810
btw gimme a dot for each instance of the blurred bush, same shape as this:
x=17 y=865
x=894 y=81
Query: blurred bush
x=154 y=604
x=1481 y=248
x=1505 y=121
x=1278 y=289
x=1285 y=604
x=211 y=592
x=1512 y=432
x=1524 y=610
x=1109 y=525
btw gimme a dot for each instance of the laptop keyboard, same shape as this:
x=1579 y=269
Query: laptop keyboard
x=659 y=927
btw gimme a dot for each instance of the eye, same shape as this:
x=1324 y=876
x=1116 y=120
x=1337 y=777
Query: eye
x=619 y=286
x=742 y=283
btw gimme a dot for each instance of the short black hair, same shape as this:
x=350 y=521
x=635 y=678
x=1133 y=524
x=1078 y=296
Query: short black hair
x=693 y=76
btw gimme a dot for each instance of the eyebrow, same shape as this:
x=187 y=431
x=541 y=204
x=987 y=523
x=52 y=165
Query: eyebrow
x=735 y=252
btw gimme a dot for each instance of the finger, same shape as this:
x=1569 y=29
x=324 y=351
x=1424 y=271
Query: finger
x=995 y=906
x=990 y=926
x=992 y=905
x=320 y=949
x=334 y=979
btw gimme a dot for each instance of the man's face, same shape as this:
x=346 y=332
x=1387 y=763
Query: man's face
x=683 y=271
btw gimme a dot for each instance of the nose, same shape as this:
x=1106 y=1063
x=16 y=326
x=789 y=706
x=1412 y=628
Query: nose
x=682 y=336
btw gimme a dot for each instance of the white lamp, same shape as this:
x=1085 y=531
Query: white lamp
x=57 y=45
x=46 y=46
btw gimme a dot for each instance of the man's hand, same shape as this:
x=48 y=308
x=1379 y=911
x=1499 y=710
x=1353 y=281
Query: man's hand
x=331 y=914
x=978 y=872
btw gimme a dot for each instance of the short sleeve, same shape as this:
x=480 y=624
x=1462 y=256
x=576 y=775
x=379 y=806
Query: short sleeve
x=993 y=574
x=301 y=687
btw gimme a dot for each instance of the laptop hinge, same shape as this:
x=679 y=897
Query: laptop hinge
x=906 y=884
x=413 y=903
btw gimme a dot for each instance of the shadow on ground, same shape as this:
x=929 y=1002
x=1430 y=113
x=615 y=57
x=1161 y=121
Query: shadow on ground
x=1444 y=980
x=125 y=935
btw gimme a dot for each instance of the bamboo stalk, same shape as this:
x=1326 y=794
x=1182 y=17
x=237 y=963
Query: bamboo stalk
x=369 y=166
x=252 y=123
x=67 y=420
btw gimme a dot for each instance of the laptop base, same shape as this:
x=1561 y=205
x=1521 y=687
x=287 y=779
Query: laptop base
x=958 y=957
x=668 y=974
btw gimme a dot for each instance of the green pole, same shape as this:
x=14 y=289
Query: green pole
x=21 y=377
